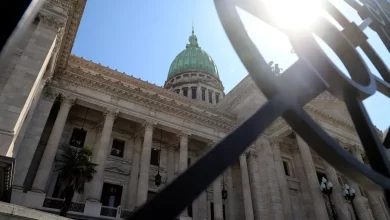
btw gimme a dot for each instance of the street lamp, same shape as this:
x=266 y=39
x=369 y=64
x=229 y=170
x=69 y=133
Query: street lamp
x=326 y=189
x=349 y=194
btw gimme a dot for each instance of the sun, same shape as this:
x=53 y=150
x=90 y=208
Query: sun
x=294 y=14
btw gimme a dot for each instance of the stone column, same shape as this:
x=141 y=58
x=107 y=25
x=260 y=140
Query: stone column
x=20 y=79
x=361 y=208
x=47 y=160
x=189 y=92
x=283 y=185
x=183 y=152
x=316 y=195
x=133 y=182
x=201 y=200
x=217 y=194
x=171 y=163
x=255 y=184
x=31 y=113
x=246 y=189
x=101 y=156
x=199 y=92
x=30 y=141
x=207 y=95
x=213 y=96
x=183 y=158
x=143 y=182
x=337 y=193
x=230 y=200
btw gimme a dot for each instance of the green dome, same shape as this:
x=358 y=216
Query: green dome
x=193 y=58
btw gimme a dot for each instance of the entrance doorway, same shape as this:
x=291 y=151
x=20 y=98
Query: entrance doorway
x=111 y=195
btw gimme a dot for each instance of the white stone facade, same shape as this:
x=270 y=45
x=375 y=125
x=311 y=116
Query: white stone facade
x=277 y=178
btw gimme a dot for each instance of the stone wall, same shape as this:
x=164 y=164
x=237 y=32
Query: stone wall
x=15 y=212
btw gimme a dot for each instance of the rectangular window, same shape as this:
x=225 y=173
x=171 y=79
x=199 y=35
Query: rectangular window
x=193 y=95
x=210 y=97
x=78 y=137
x=111 y=195
x=177 y=91
x=286 y=168
x=178 y=77
x=185 y=92
x=118 y=147
x=155 y=157
x=172 y=80
x=204 y=94
x=216 y=97
x=200 y=75
x=193 y=74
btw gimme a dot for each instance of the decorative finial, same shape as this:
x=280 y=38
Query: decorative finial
x=192 y=27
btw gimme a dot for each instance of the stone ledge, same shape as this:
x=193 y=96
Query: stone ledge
x=19 y=212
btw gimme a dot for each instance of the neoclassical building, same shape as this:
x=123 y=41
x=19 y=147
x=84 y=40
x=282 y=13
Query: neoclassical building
x=51 y=100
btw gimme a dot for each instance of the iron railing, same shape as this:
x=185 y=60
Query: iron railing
x=55 y=203
x=288 y=93
x=311 y=75
x=108 y=211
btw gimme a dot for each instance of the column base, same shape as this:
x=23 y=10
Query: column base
x=18 y=197
x=34 y=199
x=92 y=208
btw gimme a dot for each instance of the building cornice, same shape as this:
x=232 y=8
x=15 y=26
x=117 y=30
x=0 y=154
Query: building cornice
x=120 y=90
x=74 y=10
x=88 y=66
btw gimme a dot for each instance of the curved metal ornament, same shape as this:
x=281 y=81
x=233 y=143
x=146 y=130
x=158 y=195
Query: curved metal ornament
x=317 y=71
x=311 y=75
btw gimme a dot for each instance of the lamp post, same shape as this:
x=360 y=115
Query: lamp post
x=326 y=189
x=349 y=194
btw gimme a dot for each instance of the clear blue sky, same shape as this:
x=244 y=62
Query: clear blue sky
x=141 y=38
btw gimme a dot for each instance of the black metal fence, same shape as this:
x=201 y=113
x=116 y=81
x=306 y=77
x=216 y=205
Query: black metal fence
x=311 y=75
x=287 y=94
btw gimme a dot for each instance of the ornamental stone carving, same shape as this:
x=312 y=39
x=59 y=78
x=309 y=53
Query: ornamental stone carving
x=49 y=20
x=112 y=113
x=50 y=94
x=68 y=100
x=149 y=125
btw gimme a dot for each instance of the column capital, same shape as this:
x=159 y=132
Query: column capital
x=68 y=100
x=138 y=137
x=211 y=143
x=183 y=134
x=111 y=113
x=251 y=153
x=49 y=94
x=149 y=125
x=49 y=20
x=356 y=151
x=275 y=142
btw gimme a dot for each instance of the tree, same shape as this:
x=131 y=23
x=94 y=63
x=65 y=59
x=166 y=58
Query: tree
x=75 y=170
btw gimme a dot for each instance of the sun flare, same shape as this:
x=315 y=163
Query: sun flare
x=294 y=14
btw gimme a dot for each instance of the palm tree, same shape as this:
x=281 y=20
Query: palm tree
x=75 y=170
